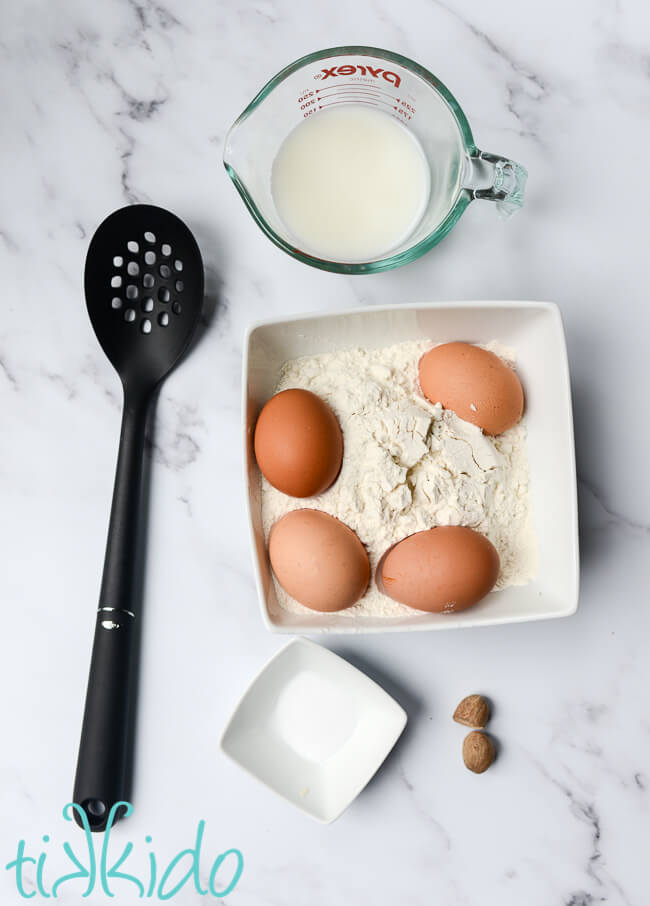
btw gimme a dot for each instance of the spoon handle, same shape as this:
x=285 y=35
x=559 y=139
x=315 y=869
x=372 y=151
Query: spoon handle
x=105 y=761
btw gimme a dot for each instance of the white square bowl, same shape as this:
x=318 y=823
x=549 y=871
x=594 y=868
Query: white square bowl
x=313 y=728
x=534 y=330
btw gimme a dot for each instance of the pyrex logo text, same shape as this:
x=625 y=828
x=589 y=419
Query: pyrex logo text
x=347 y=70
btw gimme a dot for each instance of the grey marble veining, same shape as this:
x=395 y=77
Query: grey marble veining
x=129 y=100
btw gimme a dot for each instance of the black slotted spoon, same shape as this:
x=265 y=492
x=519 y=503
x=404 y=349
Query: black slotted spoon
x=144 y=292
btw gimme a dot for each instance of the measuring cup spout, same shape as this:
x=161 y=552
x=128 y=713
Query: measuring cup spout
x=238 y=146
x=247 y=157
x=506 y=181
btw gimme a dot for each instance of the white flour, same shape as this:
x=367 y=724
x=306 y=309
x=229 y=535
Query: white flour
x=408 y=465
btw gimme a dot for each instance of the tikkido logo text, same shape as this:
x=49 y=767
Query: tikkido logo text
x=95 y=873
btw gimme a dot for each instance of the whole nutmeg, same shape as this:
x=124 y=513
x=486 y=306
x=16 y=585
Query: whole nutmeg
x=473 y=711
x=478 y=751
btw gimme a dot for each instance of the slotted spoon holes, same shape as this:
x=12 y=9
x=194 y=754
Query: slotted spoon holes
x=149 y=263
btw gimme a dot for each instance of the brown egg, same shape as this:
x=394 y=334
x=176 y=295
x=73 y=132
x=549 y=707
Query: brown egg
x=318 y=560
x=475 y=383
x=298 y=443
x=442 y=570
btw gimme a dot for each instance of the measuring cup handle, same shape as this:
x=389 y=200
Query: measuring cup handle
x=508 y=182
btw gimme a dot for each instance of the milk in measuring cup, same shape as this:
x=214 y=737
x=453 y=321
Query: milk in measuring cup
x=351 y=183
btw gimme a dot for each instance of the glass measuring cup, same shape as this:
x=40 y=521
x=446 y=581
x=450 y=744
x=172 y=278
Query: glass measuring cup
x=460 y=172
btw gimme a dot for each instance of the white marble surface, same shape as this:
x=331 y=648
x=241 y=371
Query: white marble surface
x=112 y=102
